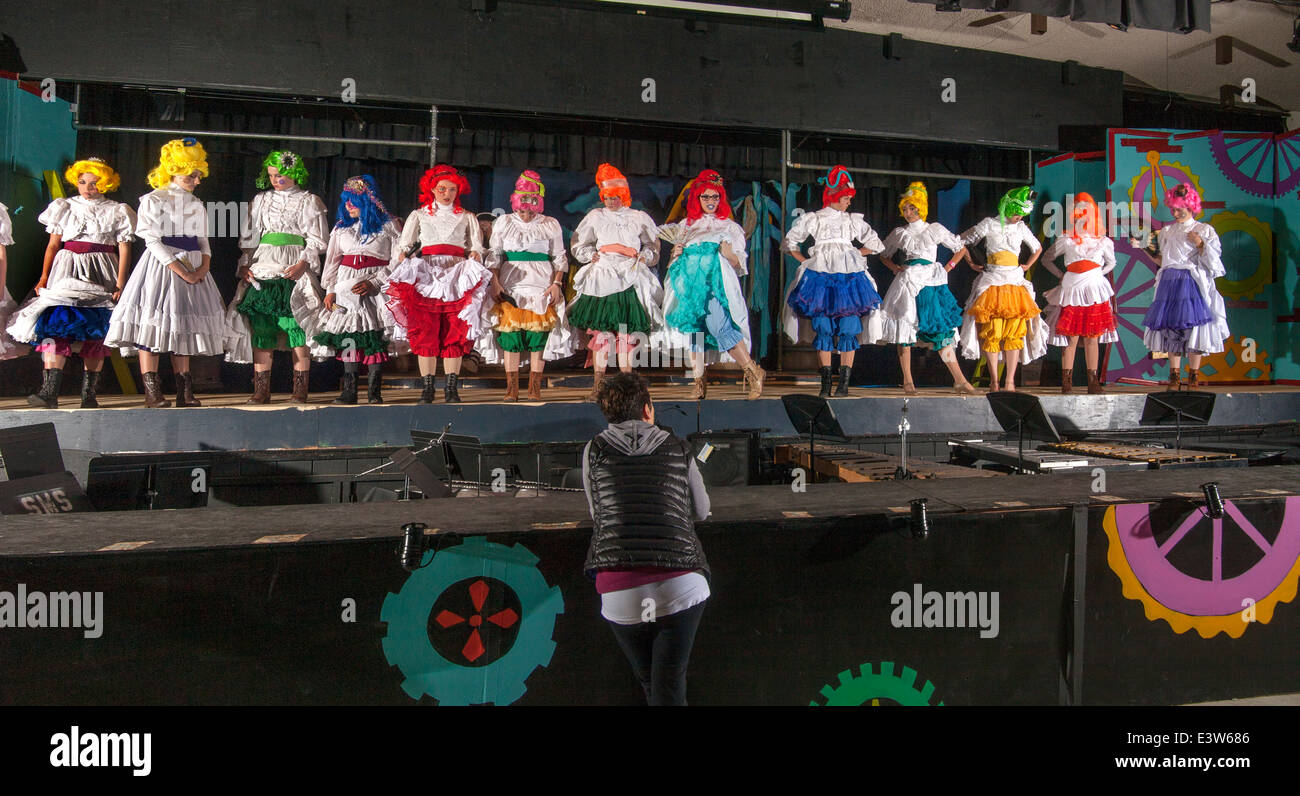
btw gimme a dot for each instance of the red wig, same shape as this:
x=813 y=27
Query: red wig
x=611 y=182
x=439 y=173
x=838 y=184
x=1085 y=210
x=703 y=181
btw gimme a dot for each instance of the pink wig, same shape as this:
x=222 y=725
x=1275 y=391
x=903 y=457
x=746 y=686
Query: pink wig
x=530 y=191
x=1184 y=195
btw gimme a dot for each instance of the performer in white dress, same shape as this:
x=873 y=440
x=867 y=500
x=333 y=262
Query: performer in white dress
x=1187 y=315
x=436 y=297
x=278 y=301
x=833 y=300
x=527 y=258
x=85 y=269
x=1002 y=317
x=9 y=348
x=170 y=303
x=704 y=308
x=617 y=295
x=363 y=248
x=1080 y=305
x=919 y=309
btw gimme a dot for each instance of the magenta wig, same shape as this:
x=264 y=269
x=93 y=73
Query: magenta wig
x=1184 y=195
x=529 y=191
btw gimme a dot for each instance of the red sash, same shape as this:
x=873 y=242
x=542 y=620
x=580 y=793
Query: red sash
x=363 y=261
x=1081 y=266
x=443 y=249
x=84 y=247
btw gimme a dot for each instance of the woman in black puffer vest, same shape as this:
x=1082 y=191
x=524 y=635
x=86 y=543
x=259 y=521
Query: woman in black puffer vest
x=645 y=495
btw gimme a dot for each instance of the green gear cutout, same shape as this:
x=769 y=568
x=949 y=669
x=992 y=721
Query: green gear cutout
x=854 y=691
x=407 y=645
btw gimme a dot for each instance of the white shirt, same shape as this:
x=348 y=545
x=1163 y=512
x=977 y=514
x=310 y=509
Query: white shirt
x=99 y=220
x=920 y=240
x=347 y=241
x=294 y=211
x=1176 y=247
x=171 y=212
x=438 y=224
x=1097 y=250
x=830 y=227
x=1000 y=237
x=632 y=228
x=542 y=235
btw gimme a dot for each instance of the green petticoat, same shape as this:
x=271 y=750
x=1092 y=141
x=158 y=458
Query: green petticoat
x=618 y=312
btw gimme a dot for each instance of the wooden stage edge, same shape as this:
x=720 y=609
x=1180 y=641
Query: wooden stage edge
x=568 y=395
x=881 y=506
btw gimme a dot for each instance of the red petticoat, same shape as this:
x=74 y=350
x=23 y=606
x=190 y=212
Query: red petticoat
x=433 y=327
x=1087 y=321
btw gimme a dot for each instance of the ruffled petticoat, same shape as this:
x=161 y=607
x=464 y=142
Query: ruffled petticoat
x=1001 y=306
x=9 y=347
x=1187 y=314
x=419 y=287
x=698 y=276
x=833 y=282
x=304 y=302
x=354 y=330
x=919 y=309
x=1081 y=302
x=160 y=312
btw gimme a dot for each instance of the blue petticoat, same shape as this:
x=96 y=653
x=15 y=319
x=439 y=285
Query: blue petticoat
x=937 y=315
x=1178 y=303
x=73 y=323
x=696 y=277
x=833 y=295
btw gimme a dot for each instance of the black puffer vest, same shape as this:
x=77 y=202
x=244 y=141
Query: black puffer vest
x=645 y=516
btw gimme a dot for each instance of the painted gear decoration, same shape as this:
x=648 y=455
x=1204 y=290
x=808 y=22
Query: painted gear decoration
x=870 y=687
x=491 y=570
x=1145 y=557
x=1170 y=173
x=1262 y=234
x=1229 y=365
x=1249 y=160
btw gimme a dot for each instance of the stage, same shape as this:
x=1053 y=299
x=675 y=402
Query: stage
x=226 y=422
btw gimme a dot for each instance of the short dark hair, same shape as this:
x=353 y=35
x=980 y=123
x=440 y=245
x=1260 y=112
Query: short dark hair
x=623 y=397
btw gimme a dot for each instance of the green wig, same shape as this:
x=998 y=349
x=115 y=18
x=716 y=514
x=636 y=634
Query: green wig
x=287 y=163
x=1016 y=202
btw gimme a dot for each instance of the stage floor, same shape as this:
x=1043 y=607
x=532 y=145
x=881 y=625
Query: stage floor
x=226 y=422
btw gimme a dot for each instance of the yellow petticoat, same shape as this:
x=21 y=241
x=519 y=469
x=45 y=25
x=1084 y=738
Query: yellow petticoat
x=1001 y=314
x=514 y=319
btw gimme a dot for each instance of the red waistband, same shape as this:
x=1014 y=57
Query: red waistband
x=364 y=261
x=1080 y=266
x=85 y=247
x=443 y=248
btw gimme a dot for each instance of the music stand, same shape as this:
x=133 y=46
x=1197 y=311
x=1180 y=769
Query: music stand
x=460 y=456
x=30 y=450
x=1017 y=412
x=814 y=415
x=1176 y=407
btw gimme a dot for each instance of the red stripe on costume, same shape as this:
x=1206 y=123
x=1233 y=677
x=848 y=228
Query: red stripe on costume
x=443 y=248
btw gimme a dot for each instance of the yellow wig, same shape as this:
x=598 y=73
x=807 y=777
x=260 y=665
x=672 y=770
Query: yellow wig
x=178 y=156
x=109 y=180
x=916 y=196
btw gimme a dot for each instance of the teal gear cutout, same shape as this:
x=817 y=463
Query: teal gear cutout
x=854 y=691
x=407 y=645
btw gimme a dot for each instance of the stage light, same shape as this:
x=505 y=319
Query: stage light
x=1213 y=502
x=920 y=519
x=1294 y=44
x=412 y=545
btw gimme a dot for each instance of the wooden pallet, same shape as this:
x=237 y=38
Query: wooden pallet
x=854 y=466
x=1138 y=453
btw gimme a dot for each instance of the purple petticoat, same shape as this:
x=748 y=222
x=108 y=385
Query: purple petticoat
x=833 y=295
x=1178 y=303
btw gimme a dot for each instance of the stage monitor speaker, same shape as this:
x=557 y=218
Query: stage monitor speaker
x=726 y=458
x=30 y=450
x=50 y=493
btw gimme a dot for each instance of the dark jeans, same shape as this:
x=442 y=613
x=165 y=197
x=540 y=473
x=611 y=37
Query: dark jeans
x=659 y=652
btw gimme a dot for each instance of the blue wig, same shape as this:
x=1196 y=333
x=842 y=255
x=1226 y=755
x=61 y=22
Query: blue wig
x=364 y=195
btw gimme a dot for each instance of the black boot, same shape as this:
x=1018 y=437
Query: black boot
x=429 y=393
x=349 y=392
x=843 y=390
x=449 y=393
x=375 y=385
x=826 y=382
x=89 y=383
x=48 y=396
